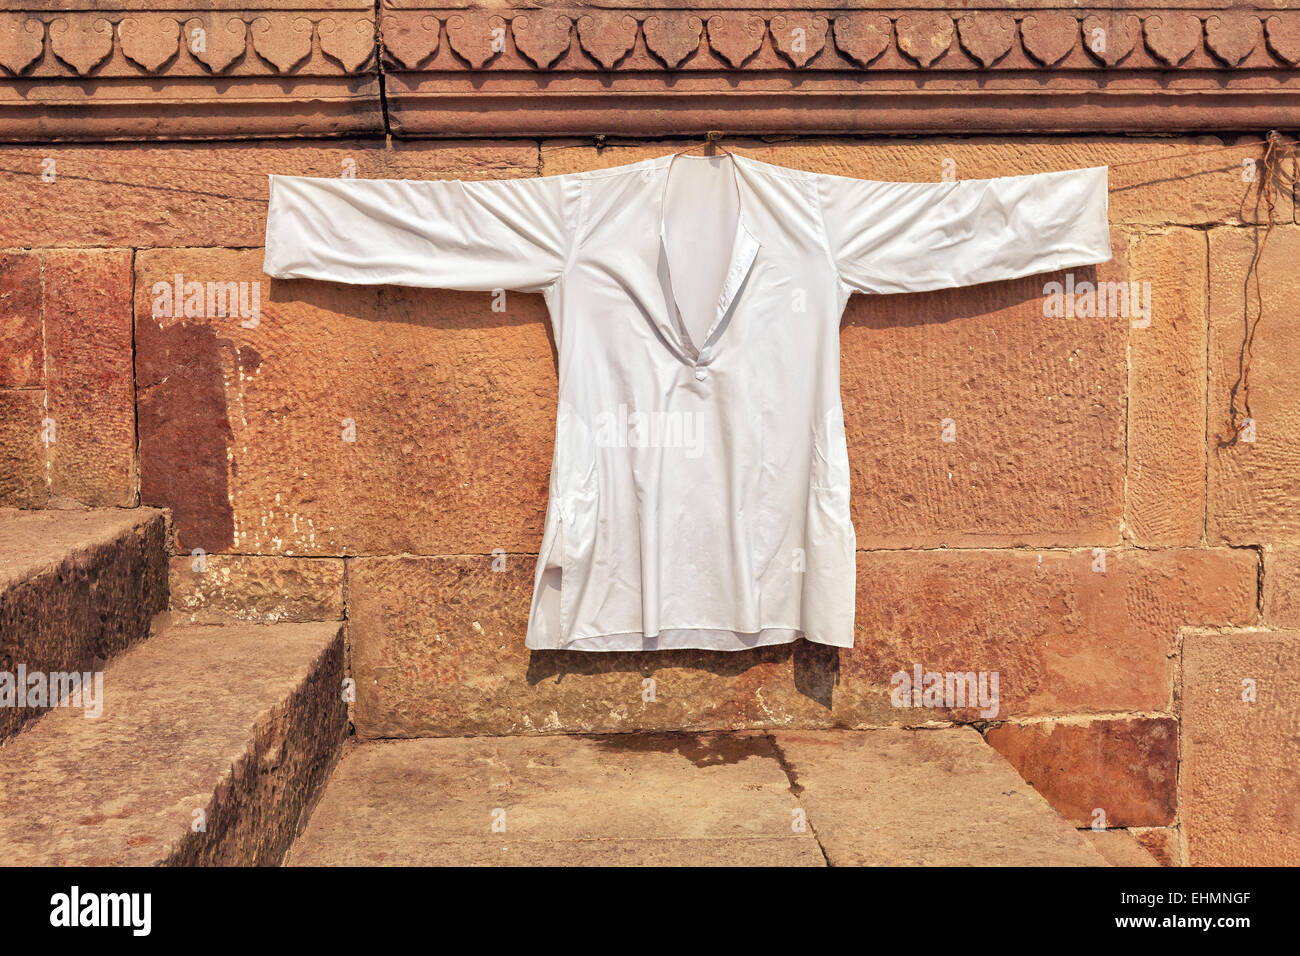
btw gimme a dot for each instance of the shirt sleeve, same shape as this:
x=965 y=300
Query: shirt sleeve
x=914 y=237
x=441 y=234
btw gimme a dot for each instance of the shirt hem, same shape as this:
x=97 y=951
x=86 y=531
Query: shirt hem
x=703 y=639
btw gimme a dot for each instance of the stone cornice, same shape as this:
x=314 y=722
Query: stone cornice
x=88 y=69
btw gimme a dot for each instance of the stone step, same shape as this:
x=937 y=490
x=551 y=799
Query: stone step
x=937 y=797
x=76 y=587
x=212 y=744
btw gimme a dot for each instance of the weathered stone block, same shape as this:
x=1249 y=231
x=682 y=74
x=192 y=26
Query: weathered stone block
x=975 y=421
x=1063 y=636
x=90 y=381
x=1163 y=843
x=437 y=647
x=344 y=419
x=1253 y=496
x=1282 y=586
x=1108 y=772
x=23 y=452
x=1239 y=793
x=22 y=361
x=1166 y=453
x=217 y=588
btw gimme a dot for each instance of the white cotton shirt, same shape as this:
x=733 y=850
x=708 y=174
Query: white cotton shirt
x=699 y=492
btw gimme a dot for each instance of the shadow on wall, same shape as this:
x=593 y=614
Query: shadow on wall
x=184 y=428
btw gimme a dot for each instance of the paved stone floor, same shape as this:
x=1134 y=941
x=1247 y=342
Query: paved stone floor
x=809 y=798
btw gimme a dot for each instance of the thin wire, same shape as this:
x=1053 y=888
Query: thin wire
x=1195 y=152
x=152 y=166
x=150 y=186
x=1288 y=150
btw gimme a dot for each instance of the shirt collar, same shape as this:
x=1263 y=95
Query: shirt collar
x=744 y=248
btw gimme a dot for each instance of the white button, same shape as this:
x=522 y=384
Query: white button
x=700 y=375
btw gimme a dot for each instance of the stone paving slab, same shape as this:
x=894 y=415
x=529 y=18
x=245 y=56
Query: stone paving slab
x=867 y=797
x=679 y=799
x=924 y=798
x=1120 y=848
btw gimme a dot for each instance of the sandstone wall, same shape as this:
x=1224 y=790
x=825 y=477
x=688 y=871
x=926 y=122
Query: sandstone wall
x=1086 y=535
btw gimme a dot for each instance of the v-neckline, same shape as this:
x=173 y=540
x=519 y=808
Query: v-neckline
x=744 y=248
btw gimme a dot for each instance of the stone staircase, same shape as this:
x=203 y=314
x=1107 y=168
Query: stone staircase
x=208 y=743
x=227 y=744
x=76 y=587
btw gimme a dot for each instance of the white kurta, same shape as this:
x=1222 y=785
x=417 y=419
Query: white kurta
x=699 y=492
